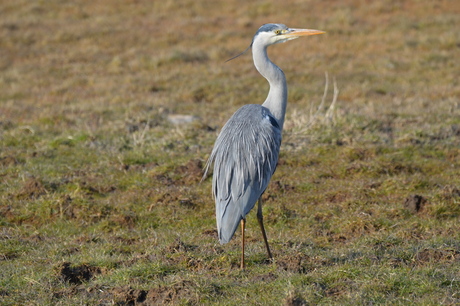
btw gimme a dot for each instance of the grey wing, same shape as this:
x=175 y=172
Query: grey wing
x=245 y=156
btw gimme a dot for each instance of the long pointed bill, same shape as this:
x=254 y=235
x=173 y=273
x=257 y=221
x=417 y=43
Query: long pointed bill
x=296 y=33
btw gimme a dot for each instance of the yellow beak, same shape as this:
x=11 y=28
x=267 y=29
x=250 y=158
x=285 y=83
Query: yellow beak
x=294 y=33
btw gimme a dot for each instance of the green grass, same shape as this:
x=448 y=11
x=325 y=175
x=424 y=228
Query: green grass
x=100 y=194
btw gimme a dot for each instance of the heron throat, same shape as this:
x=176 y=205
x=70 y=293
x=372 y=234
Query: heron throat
x=277 y=96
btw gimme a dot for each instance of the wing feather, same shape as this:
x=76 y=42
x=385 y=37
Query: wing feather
x=245 y=156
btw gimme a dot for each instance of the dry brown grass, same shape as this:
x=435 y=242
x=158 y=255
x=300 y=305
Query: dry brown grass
x=100 y=200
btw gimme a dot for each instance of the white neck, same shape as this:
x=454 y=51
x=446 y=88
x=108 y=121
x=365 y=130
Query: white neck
x=277 y=97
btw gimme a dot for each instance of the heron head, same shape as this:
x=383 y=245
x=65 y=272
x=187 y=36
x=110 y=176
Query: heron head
x=275 y=33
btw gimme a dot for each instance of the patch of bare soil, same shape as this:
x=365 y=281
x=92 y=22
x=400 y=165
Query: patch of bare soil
x=427 y=256
x=129 y=296
x=177 y=293
x=415 y=203
x=32 y=188
x=191 y=172
x=126 y=220
x=179 y=246
x=77 y=274
x=211 y=233
x=164 y=180
x=279 y=187
x=8 y=161
x=91 y=186
x=297 y=263
x=172 y=196
x=172 y=294
x=165 y=197
x=187 y=203
x=293 y=300
x=139 y=167
x=276 y=188
x=6 y=211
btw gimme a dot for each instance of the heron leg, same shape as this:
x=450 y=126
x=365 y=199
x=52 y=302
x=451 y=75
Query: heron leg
x=243 y=223
x=260 y=218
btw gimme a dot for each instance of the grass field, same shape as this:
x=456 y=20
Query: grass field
x=100 y=194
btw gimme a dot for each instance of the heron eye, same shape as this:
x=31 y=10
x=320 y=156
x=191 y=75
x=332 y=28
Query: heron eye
x=277 y=32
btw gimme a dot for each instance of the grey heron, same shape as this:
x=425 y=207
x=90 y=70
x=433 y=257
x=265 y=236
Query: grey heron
x=245 y=153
